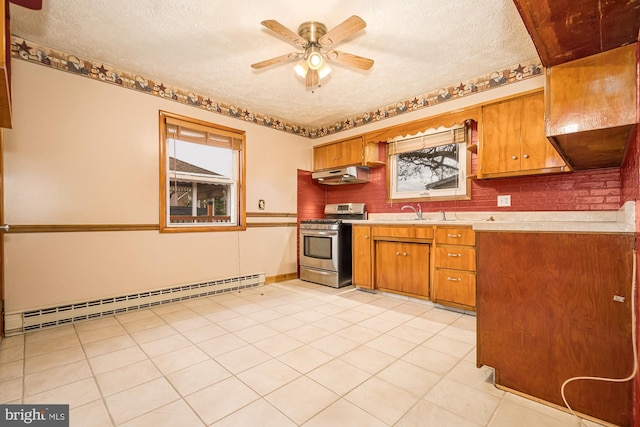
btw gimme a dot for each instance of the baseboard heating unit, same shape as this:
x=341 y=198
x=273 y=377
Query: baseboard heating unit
x=19 y=322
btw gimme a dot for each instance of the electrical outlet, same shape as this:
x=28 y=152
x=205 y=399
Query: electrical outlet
x=504 y=200
x=261 y=204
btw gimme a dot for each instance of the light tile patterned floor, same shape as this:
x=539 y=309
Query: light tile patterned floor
x=284 y=354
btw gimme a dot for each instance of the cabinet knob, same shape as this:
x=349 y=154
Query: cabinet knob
x=526 y=156
x=397 y=253
x=366 y=237
x=455 y=236
x=454 y=255
x=404 y=254
x=454 y=279
x=514 y=157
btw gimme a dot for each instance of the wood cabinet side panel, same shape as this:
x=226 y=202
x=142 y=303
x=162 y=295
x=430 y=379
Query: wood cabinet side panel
x=546 y=313
x=362 y=256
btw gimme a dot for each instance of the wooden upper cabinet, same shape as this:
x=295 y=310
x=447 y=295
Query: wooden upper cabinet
x=513 y=140
x=501 y=137
x=591 y=107
x=346 y=152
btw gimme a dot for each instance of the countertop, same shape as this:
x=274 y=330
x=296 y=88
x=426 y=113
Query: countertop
x=619 y=221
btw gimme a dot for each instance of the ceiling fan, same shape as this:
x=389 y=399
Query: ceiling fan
x=316 y=44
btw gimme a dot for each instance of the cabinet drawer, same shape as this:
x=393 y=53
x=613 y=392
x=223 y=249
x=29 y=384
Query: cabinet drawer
x=455 y=286
x=456 y=257
x=456 y=236
x=412 y=232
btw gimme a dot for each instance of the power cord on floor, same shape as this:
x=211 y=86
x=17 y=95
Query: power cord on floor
x=634 y=343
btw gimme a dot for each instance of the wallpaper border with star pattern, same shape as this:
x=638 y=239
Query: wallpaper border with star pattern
x=96 y=70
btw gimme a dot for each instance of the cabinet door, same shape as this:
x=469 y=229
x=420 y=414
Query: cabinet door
x=350 y=152
x=414 y=264
x=362 y=256
x=388 y=268
x=322 y=157
x=338 y=154
x=327 y=156
x=537 y=151
x=501 y=137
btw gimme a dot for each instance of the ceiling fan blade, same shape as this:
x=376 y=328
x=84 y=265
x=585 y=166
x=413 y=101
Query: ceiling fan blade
x=278 y=28
x=312 y=79
x=277 y=59
x=29 y=4
x=349 y=26
x=350 y=59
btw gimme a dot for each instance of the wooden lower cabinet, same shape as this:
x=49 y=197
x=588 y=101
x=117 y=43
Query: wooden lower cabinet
x=454 y=277
x=552 y=306
x=403 y=267
x=362 y=266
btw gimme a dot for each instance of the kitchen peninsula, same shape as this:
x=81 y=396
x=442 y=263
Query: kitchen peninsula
x=563 y=279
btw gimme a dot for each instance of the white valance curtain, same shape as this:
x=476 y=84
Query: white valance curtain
x=427 y=139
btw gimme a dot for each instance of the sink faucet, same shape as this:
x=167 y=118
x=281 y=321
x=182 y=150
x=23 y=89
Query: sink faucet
x=417 y=211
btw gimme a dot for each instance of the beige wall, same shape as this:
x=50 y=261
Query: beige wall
x=86 y=152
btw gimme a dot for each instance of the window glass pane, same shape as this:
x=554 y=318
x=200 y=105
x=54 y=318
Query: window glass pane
x=201 y=181
x=428 y=169
x=432 y=165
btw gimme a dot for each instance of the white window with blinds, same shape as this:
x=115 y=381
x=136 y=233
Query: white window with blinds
x=431 y=165
x=201 y=174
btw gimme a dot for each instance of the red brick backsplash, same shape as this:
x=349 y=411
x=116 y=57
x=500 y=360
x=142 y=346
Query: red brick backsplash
x=584 y=190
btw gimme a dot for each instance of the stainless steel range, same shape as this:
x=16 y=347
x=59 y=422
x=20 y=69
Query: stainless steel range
x=325 y=245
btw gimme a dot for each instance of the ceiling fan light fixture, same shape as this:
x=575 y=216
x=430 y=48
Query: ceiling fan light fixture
x=324 y=71
x=314 y=58
x=301 y=69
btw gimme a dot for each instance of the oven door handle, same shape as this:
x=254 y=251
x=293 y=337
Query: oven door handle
x=319 y=233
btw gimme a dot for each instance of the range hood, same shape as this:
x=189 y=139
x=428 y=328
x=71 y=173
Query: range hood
x=349 y=175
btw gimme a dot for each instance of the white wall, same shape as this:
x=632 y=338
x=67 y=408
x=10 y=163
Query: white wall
x=86 y=152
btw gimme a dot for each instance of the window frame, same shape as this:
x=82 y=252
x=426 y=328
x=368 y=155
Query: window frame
x=240 y=193
x=458 y=194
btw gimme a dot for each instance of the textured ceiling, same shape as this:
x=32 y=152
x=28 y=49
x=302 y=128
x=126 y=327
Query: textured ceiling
x=207 y=46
